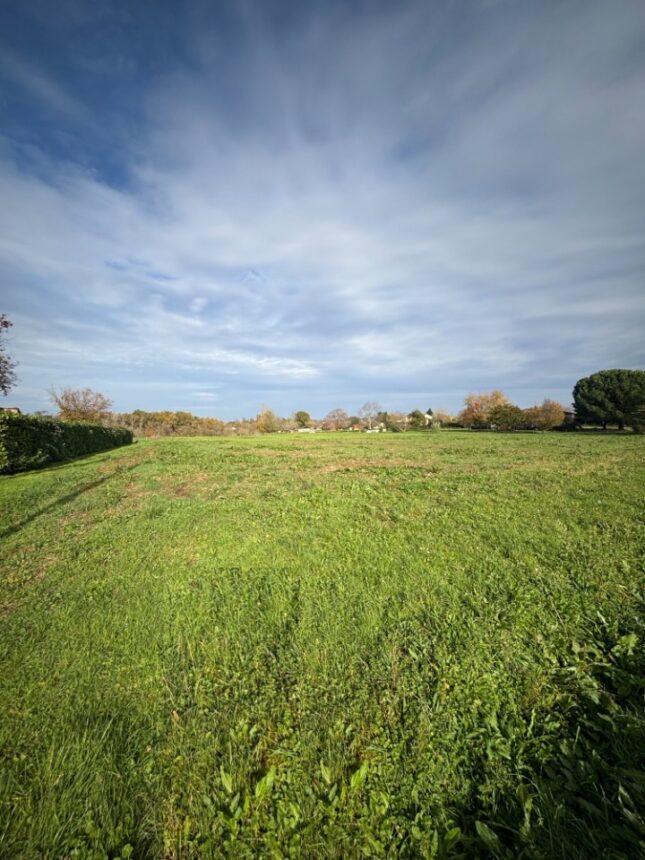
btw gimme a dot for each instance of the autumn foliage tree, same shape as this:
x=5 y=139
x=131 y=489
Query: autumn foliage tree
x=81 y=405
x=545 y=417
x=478 y=407
x=267 y=421
x=440 y=417
x=167 y=423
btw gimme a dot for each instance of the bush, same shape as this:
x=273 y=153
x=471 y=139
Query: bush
x=29 y=442
x=506 y=416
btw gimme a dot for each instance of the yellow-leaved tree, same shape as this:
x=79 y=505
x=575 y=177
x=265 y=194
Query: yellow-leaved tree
x=477 y=407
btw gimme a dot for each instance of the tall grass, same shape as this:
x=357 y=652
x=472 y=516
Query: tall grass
x=423 y=645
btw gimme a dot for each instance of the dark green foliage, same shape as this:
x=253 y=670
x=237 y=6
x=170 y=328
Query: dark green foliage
x=417 y=420
x=506 y=416
x=611 y=397
x=593 y=774
x=480 y=424
x=29 y=441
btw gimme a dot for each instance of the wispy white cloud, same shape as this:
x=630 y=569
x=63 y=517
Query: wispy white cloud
x=407 y=201
x=33 y=80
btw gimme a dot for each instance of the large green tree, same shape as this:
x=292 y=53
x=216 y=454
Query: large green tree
x=612 y=397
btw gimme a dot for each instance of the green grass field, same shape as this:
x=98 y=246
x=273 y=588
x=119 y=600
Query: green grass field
x=347 y=646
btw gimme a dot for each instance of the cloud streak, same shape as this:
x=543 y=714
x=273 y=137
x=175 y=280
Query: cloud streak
x=316 y=206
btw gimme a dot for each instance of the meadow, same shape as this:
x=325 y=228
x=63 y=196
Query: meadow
x=328 y=646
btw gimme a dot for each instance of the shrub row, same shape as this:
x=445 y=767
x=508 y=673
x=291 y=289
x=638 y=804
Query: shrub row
x=29 y=441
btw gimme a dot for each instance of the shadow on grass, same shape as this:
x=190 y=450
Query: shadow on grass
x=74 y=463
x=63 y=500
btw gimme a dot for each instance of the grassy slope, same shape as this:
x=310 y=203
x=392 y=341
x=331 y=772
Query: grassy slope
x=331 y=646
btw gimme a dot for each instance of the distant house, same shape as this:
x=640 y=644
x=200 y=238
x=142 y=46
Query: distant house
x=12 y=410
x=569 y=417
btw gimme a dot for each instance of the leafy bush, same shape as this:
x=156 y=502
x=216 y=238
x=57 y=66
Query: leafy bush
x=507 y=416
x=29 y=441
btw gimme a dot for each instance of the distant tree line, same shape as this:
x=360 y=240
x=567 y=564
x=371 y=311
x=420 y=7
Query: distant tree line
x=604 y=399
x=493 y=410
x=608 y=398
x=166 y=423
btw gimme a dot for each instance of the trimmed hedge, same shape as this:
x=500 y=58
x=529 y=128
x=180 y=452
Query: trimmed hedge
x=29 y=441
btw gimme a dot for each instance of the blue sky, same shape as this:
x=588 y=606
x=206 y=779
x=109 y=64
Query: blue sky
x=214 y=207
